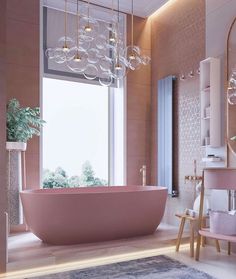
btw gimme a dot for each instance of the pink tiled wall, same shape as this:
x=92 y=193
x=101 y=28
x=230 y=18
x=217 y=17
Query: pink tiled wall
x=139 y=106
x=19 y=78
x=178 y=45
x=22 y=34
x=3 y=188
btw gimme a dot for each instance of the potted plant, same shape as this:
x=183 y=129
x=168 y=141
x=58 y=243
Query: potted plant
x=233 y=138
x=22 y=125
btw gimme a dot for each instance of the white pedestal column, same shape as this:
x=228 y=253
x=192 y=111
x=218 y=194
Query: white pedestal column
x=15 y=212
x=14 y=188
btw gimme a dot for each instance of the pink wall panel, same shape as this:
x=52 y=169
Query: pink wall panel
x=178 y=45
x=138 y=106
x=24 y=10
x=3 y=188
x=23 y=68
x=19 y=78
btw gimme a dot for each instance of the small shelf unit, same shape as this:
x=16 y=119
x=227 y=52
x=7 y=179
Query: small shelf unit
x=216 y=179
x=206 y=232
x=210 y=96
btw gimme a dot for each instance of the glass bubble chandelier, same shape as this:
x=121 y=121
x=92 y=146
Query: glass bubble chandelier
x=98 y=50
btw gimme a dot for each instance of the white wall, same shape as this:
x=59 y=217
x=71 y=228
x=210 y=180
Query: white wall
x=219 y=16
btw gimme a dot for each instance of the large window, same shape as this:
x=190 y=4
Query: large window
x=83 y=140
x=76 y=135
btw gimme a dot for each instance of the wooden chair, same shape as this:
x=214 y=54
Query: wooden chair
x=218 y=179
x=192 y=221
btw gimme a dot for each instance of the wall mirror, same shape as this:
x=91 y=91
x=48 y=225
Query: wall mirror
x=231 y=87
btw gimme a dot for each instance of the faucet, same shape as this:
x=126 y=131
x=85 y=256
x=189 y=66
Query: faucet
x=143 y=170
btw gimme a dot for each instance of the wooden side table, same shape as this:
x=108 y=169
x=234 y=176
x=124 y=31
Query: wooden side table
x=192 y=221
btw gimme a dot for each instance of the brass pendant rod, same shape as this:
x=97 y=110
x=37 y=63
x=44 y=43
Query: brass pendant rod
x=118 y=12
x=118 y=25
x=77 y=25
x=88 y=10
x=65 y=21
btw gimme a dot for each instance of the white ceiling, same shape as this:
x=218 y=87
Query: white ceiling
x=142 y=8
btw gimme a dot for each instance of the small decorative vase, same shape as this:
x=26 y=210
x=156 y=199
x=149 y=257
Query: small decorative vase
x=206 y=204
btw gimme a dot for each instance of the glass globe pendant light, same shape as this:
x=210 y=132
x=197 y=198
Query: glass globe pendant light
x=87 y=27
x=132 y=53
x=112 y=37
x=91 y=71
x=105 y=79
x=78 y=60
x=91 y=24
x=112 y=33
x=65 y=46
x=59 y=54
x=119 y=70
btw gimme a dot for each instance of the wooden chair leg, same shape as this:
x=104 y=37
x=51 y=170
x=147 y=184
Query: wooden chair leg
x=203 y=238
x=203 y=241
x=191 y=239
x=198 y=247
x=217 y=245
x=229 y=248
x=181 y=228
x=200 y=219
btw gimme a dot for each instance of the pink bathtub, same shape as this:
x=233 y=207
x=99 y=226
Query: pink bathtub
x=80 y=215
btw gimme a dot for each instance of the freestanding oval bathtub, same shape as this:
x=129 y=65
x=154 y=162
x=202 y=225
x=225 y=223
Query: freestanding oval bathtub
x=79 y=215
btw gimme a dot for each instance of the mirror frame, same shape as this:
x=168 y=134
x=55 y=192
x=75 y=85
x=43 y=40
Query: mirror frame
x=229 y=147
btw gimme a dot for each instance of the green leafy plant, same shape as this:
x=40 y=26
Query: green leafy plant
x=233 y=138
x=22 y=123
x=59 y=178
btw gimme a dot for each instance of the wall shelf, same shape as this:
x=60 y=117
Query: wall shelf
x=207 y=233
x=210 y=103
x=211 y=159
